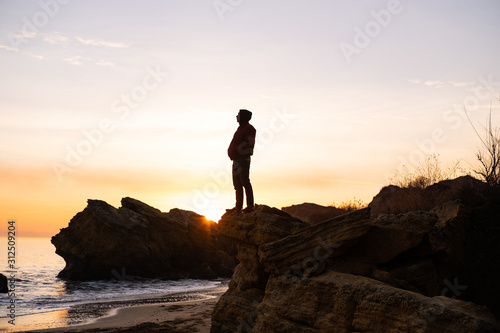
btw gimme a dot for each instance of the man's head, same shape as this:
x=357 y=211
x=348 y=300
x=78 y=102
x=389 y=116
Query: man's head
x=244 y=116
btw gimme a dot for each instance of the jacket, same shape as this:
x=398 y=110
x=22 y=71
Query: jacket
x=243 y=142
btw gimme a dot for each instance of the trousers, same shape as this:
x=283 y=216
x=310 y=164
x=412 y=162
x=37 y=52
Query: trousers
x=241 y=180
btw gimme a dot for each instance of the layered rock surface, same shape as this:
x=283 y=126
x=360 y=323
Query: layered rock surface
x=416 y=272
x=246 y=288
x=313 y=213
x=137 y=240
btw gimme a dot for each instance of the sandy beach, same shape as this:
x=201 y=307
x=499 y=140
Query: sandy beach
x=181 y=312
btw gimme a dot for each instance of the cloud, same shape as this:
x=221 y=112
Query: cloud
x=36 y=56
x=56 y=39
x=8 y=48
x=76 y=61
x=436 y=83
x=442 y=84
x=27 y=34
x=105 y=63
x=80 y=61
x=97 y=42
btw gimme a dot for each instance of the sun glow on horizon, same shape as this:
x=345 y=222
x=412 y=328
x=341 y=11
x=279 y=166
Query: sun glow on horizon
x=212 y=217
x=212 y=213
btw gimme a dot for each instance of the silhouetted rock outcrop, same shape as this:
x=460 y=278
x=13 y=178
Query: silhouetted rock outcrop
x=354 y=273
x=3 y=284
x=137 y=240
x=395 y=200
x=313 y=213
x=246 y=289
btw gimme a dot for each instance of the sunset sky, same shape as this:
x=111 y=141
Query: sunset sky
x=109 y=99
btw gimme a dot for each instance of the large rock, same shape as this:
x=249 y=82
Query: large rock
x=313 y=213
x=415 y=272
x=339 y=302
x=319 y=242
x=246 y=289
x=136 y=240
x=395 y=200
x=4 y=288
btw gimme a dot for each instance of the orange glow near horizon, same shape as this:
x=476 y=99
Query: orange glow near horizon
x=41 y=205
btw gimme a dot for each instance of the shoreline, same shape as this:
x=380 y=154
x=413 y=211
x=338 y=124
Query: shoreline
x=149 y=313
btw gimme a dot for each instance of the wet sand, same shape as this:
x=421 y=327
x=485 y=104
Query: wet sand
x=180 y=312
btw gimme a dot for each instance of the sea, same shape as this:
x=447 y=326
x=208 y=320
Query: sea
x=40 y=296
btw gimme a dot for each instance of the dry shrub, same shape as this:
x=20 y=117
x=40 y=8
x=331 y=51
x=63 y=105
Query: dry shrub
x=411 y=185
x=350 y=205
x=489 y=156
x=428 y=172
x=395 y=200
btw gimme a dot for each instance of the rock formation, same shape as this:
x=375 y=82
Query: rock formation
x=4 y=288
x=395 y=200
x=247 y=286
x=136 y=240
x=313 y=213
x=422 y=271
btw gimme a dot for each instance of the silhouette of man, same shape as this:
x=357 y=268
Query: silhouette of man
x=239 y=151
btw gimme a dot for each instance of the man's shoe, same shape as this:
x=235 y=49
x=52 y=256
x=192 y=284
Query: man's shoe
x=248 y=210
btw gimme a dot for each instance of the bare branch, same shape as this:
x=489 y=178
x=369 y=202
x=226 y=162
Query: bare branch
x=489 y=156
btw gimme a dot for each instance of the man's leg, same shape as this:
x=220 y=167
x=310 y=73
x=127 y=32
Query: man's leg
x=238 y=186
x=245 y=181
x=249 y=194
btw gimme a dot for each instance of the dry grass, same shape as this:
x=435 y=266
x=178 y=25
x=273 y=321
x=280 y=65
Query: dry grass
x=396 y=200
x=350 y=205
x=427 y=173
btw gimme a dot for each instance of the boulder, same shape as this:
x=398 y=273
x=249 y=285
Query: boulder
x=410 y=272
x=137 y=240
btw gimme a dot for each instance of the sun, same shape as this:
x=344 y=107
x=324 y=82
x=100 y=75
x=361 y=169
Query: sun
x=212 y=213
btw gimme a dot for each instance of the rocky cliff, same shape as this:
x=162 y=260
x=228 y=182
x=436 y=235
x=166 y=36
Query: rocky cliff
x=424 y=271
x=136 y=240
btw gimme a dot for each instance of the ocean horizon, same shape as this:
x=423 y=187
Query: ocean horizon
x=38 y=290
